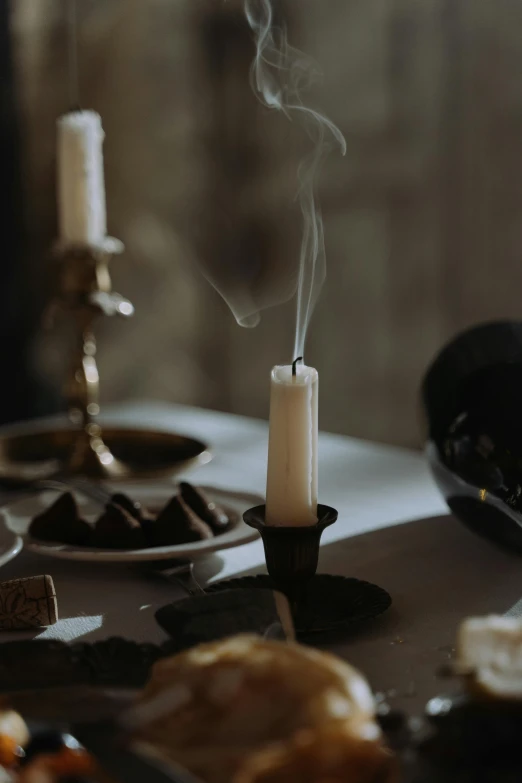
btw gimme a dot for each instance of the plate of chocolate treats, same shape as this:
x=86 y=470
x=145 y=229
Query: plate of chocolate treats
x=149 y=523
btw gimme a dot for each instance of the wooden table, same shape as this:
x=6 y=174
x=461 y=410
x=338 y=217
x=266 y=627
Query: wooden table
x=393 y=530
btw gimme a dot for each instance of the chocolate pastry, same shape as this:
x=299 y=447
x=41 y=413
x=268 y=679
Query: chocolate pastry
x=177 y=524
x=117 y=529
x=132 y=507
x=206 y=509
x=61 y=522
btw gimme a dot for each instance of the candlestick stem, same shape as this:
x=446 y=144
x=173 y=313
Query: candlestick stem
x=85 y=292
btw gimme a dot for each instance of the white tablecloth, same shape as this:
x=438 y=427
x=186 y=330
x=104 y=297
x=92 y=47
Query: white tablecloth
x=392 y=530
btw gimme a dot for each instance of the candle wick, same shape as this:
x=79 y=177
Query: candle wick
x=294 y=365
x=72 y=41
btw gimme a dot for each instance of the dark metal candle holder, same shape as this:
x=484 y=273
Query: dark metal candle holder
x=291 y=553
x=322 y=604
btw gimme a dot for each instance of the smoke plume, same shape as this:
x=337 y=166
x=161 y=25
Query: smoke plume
x=280 y=76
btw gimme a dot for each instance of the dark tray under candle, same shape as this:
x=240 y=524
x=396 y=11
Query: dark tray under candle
x=329 y=603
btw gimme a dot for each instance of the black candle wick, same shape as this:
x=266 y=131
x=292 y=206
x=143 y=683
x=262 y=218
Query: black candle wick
x=294 y=365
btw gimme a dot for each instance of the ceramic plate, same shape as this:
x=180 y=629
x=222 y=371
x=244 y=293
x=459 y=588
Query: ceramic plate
x=10 y=545
x=18 y=517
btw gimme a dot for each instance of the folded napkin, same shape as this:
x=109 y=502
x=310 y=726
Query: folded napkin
x=515 y=610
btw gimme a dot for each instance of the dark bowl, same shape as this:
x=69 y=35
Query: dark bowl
x=472 y=401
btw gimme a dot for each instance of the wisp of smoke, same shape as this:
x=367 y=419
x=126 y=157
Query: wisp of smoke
x=279 y=76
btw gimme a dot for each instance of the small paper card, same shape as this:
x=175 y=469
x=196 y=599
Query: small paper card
x=27 y=603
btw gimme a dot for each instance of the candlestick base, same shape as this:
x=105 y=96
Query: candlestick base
x=42 y=452
x=291 y=553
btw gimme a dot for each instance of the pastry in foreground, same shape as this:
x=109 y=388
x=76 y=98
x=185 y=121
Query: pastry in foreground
x=248 y=710
x=472 y=735
x=489 y=651
x=13 y=725
x=48 y=756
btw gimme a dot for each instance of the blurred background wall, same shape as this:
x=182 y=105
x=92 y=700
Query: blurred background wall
x=423 y=218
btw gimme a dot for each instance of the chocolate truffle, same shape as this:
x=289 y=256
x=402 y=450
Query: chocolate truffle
x=178 y=524
x=206 y=509
x=132 y=507
x=61 y=522
x=117 y=529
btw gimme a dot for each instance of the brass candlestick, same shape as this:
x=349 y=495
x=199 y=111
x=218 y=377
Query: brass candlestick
x=85 y=291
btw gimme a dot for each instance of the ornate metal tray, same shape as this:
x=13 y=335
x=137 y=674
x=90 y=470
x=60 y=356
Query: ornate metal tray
x=112 y=663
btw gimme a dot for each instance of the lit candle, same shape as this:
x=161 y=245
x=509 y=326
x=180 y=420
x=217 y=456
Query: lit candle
x=291 y=491
x=81 y=187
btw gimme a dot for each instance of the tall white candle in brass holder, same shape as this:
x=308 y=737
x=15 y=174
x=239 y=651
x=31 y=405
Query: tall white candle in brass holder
x=84 y=292
x=84 y=284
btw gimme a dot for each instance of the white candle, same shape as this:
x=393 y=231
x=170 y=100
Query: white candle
x=81 y=187
x=291 y=490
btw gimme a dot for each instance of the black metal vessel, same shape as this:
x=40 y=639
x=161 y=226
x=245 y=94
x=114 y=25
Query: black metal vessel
x=472 y=399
